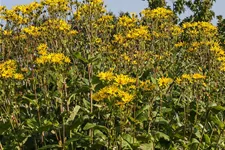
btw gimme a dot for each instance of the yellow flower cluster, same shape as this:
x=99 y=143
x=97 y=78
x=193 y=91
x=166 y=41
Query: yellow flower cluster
x=195 y=28
x=119 y=88
x=8 y=70
x=2 y=8
x=118 y=38
x=217 y=50
x=164 y=81
x=56 y=5
x=147 y=85
x=53 y=58
x=139 y=33
x=120 y=79
x=158 y=13
x=7 y=32
x=105 y=19
x=190 y=78
x=176 y=30
x=32 y=30
x=27 y=9
x=106 y=76
x=123 y=79
x=50 y=58
x=180 y=44
x=94 y=6
x=57 y=24
x=42 y=49
x=125 y=21
x=12 y=16
x=113 y=92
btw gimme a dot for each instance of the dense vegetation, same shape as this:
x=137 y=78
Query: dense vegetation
x=74 y=76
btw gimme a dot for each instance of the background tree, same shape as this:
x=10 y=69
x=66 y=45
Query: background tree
x=201 y=9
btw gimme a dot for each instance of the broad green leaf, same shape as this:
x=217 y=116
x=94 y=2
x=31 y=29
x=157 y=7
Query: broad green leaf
x=194 y=141
x=161 y=120
x=129 y=138
x=73 y=114
x=162 y=135
x=218 y=108
x=216 y=120
x=102 y=128
x=153 y=80
x=166 y=110
x=89 y=126
x=78 y=56
x=126 y=145
x=99 y=134
x=147 y=146
x=142 y=110
x=207 y=139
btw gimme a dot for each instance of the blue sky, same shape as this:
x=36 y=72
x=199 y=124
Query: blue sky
x=124 y=5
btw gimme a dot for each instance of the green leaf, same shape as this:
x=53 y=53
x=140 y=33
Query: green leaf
x=100 y=134
x=166 y=110
x=31 y=101
x=148 y=146
x=89 y=126
x=77 y=136
x=194 y=141
x=153 y=80
x=216 y=120
x=162 y=135
x=161 y=120
x=32 y=123
x=218 y=108
x=102 y=128
x=126 y=145
x=207 y=139
x=129 y=138
x=78 y=56
x=50 y=146
x=73 y=114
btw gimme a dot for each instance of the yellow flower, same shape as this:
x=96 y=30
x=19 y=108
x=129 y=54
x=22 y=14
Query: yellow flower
x=123 y=79
x=146 y=85
x=42 y=49
x=138 y=33
x=178 y=80
x=158 y=13
x=180 y=44
x=164 y=81
x=8 y=70
x=53 y=58
x=198 y=76
x=186 y=76
x=108 y=76
x=125 y=21
x=18 y=76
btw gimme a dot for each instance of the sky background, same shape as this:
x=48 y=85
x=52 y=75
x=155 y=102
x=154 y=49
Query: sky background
x=126 y=5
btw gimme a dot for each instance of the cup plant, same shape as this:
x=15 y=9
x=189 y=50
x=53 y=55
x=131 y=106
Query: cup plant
x=75 y=76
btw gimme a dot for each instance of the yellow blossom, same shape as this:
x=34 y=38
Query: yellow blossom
x=164 y=81
x=198 y=76
x=53 y=58
x=124 y=79
x=108 y=76
x=42 y=49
